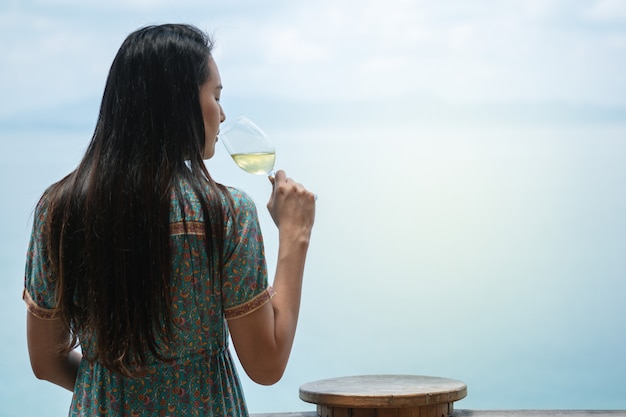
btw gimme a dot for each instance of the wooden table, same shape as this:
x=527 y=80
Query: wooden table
x=490 y=413
x=384 y=396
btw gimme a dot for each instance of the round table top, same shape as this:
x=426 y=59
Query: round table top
x=383 y=391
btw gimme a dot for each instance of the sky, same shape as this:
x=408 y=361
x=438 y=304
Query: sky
x=525 y=52
x=469 y=159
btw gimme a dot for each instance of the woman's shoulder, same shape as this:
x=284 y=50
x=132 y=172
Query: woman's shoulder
x=188 y=191
x=50 y=197
x=242 y=204
x=232 y=197
x=239 y=196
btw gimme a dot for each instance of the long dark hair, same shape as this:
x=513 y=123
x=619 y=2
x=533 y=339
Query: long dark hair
x=108 y=233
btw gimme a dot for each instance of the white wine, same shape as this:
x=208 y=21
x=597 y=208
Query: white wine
x=255 y=163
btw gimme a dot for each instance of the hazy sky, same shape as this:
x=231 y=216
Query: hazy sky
x=469 y=158
x=564 y=51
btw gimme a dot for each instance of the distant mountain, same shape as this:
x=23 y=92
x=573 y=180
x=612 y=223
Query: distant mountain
x=287 y=113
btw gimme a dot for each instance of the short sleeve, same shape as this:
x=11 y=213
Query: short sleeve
x=39 y=283
x=244 y=278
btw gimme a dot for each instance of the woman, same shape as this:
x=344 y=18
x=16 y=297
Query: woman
x=139 y=257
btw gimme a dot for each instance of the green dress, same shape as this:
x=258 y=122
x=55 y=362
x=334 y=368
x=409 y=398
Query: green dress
x=202 y=380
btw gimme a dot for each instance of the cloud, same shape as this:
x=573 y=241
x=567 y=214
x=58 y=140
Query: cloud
x=458 y=51
x=288 y=44
x=51 y=58
x=58 y=51
x=607 y=10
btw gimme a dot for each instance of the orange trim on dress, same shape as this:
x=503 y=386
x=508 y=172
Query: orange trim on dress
x=187 y=228
x=250 y=306
x=35 y=310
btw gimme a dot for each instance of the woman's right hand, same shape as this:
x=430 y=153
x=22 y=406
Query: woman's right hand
x=291 y=206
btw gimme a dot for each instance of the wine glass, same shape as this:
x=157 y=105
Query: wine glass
x=249 y=146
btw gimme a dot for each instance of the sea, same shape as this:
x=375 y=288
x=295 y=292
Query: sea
x=494 y=255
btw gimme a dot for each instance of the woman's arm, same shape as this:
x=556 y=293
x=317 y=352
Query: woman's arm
x=45 y=336
x=263 y=339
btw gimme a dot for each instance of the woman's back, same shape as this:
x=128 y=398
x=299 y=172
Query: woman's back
x=200 y=378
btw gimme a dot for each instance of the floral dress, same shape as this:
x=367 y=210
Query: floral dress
x=202 y=379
